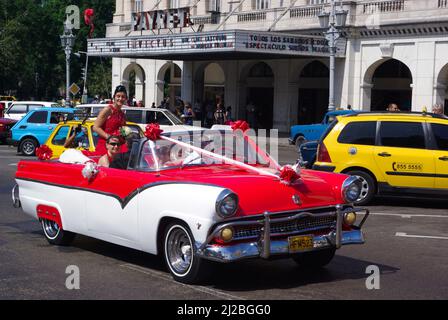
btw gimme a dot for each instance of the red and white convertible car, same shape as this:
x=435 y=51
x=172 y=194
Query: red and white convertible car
x=220 y=199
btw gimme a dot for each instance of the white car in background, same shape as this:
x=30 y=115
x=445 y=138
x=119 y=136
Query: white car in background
x=91 y=109
x=18 y=109
x=167 y=120
x=6 y=103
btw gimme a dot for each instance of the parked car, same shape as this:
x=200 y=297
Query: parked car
x=35 y=128
x=18 y=109
x=5 y=128
x=391 y=153
x=89 y=109
x=307 y=132
x=86 y=138
x=164 y=117
x=189 y=206
x=307 y=154
x=4 y=104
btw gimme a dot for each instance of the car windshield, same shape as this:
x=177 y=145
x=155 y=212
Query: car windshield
x=175 y=120
x=202 y=148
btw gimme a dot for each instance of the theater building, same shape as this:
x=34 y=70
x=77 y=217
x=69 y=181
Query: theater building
x=273 y=53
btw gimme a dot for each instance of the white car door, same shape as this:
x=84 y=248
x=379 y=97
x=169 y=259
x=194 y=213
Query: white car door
x=112 y=206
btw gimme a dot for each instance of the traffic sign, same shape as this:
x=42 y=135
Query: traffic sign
x=74 y=89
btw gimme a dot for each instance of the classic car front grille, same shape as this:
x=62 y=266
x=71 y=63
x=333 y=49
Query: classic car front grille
x=300 y=225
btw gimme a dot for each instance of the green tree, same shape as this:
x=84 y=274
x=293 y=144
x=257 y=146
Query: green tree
x=32 y=61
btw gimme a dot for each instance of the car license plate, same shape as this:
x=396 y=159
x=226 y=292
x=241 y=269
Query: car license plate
x=300 y=243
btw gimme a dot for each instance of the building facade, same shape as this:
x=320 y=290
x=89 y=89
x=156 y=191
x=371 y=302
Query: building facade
x=392 y=51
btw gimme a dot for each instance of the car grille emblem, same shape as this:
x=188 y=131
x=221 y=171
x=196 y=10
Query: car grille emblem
x=296 y=200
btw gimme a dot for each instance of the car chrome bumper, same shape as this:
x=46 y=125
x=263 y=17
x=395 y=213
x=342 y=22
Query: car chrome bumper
x=277 y=247
x=265 y=247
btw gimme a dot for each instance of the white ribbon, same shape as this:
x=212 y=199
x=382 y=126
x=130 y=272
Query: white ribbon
x=223 y=158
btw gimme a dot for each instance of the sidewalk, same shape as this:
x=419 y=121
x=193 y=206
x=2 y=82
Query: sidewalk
x=282 y=140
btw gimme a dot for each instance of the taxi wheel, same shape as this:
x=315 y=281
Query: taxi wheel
x=180 y=255
x=28 y=146
x=314 y=259
x=368 y=187
x=56 y=235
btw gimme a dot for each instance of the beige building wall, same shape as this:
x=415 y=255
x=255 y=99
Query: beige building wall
x=414 y=32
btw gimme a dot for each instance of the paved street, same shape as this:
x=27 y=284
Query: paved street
x=406 y=239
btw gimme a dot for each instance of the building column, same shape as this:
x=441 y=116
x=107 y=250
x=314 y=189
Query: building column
x=365 y=95
x=423 y=79
x=231 y=86
x=293 y=110
x=119 y=14
x=140 y=90
x=187 y=82
x=281 y=96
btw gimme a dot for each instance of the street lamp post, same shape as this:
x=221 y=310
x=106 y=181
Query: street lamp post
x=67 y=42
x=333 y=21
x=84 y=89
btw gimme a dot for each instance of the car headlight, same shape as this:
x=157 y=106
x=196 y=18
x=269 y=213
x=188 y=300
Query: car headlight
x=351 y=189
x=226 y=203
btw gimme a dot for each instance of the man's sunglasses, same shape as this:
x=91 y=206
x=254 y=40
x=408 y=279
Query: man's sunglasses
x=115 y=144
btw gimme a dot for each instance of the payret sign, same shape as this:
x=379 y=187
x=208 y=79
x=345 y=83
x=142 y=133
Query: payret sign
x=235 y=41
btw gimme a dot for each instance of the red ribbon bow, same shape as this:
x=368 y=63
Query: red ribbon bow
x=288 y=175
x=44 y=152
x=88 y=20
x=119 y=135
x=153 y=131
x=240 y=125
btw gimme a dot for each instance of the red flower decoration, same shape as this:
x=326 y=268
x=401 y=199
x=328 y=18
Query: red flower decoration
x=153 y=131
x=288 y=175
x=118 y=133
x=44 y=152
x=240 y=125
x=88 y=20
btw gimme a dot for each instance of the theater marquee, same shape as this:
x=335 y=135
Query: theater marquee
x=231 y=43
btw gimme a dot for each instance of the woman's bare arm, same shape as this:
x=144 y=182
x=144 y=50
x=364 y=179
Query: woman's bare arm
x=99 y=122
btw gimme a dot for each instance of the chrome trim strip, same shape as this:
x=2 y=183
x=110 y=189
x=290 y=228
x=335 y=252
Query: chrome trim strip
x=16 y=196
x=230 y=253
x=260 y=222
x=260 y=216
x=339 y=218
x=266 y=237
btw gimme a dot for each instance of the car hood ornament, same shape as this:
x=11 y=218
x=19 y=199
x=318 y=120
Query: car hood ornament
x=296 y=200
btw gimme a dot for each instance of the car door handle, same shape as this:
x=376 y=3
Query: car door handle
x=22 y=127
x=384 y=154
x=443 y=158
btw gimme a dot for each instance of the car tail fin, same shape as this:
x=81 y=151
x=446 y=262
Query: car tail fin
x=322 y=153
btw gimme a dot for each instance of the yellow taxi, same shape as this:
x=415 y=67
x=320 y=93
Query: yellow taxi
x=84 y=137
x=391 y=153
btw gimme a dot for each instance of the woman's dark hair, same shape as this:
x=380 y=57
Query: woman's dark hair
x=120 y=88
x=114 y=137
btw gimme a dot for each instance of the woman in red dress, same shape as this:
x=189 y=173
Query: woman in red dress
x=110 y=119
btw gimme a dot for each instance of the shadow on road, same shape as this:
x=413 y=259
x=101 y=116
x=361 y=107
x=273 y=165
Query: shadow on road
x=409 y=202
x=286 y=274
x=241 y=276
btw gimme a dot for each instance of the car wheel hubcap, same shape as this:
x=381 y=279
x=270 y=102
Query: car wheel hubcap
x=179 y=252
x=51 y=228
x=364 y=188
x=28 y=147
